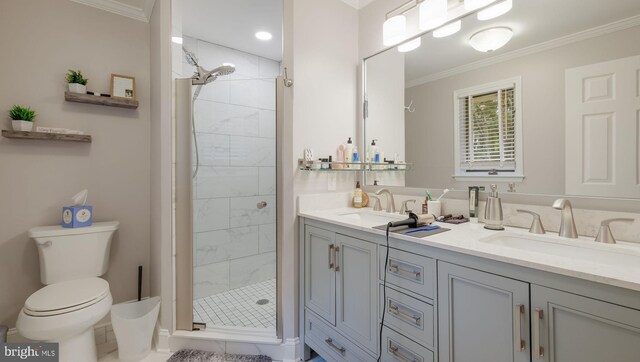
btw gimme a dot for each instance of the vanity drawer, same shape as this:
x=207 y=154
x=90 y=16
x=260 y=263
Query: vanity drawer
x=396 y=347
x=412 y=272
x=331 y=345
x=409 y=316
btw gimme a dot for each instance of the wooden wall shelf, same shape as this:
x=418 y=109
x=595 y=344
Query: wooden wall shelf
x=46 y=136
x=103 y=101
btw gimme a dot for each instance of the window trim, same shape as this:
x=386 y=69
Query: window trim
x=518 y=174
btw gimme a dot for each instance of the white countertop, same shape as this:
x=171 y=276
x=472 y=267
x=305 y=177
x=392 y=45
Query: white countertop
x=468 y=238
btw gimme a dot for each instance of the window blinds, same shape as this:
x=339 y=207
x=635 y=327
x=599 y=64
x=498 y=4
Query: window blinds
x=487 y=131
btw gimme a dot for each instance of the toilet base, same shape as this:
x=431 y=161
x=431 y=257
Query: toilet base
x=81 y=347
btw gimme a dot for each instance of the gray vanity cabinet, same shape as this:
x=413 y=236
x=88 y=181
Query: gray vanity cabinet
x=482 y=317
x=341 y=284
x=568 y=328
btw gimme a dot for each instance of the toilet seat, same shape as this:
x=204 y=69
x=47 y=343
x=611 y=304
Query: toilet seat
x=66 y=297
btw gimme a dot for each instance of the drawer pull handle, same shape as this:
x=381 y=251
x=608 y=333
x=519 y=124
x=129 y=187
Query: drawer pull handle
x=396 y=310
x=337 y=267
x=394 y=268
x=517 y=316
x=394 y=350
x=340 y=350
x=538 y=351
x=331 y=246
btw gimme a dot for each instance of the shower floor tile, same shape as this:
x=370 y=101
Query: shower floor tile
x=239 y=307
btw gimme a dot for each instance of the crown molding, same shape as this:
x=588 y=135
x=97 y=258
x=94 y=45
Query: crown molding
x=117 y=7
x=536 y=48
x=357 y=4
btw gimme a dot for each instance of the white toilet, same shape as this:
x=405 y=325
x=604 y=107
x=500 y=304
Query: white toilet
x=65 y=311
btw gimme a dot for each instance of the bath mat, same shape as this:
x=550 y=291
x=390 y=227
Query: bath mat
x=192 y=355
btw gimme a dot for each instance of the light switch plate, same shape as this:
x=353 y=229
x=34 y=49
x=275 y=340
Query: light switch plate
x=331 y=182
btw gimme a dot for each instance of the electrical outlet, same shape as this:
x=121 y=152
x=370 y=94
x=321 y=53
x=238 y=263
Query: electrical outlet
x=331 y=182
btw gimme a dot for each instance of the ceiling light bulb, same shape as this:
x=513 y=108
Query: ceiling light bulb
x=448 y=29
x=476 y=4
x=177 y=39
x=394 y=30
x=410 y=45
x=495 y=10
x=433 y=13
x=490 y=39
x=263 y=35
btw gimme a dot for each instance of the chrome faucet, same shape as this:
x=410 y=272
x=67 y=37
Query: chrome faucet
x=567 y=225
x=391 y=204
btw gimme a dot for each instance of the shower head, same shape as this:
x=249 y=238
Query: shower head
x=203 y=76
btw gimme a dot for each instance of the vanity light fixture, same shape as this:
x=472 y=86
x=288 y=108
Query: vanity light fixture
x=495 y=10
x=433 y=13
x=177 y=39
x=476 y=4
x=264 y=35
x=394 y=30
x=410 y=45
x=448 y=29
x=490 y=39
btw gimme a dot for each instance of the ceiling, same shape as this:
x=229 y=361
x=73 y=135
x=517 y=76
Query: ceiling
x=234 y=24
x=358 y=4
x=533 y=22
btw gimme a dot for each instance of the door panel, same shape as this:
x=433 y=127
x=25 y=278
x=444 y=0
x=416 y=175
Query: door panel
x=575 y=328
x=357 y=290
x=320 y=281
x=482 y=317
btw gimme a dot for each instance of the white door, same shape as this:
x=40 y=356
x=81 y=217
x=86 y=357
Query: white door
x=603 y=129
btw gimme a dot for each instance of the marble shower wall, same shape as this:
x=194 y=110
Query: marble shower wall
x=235 y=122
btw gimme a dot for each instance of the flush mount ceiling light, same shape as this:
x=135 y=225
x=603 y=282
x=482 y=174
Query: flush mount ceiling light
x=495 y=10
x=490 y=39
x=264 y=35
x=410 y=45
x=177 y=39
x=433 y=13
x=476 y=4
x=394 y=30
x=448 y=29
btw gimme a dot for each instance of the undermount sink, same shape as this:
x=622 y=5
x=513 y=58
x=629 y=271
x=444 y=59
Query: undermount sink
x=578 y=249
x=373 y=217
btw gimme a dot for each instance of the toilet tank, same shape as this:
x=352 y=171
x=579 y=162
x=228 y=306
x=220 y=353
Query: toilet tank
x=73 y=253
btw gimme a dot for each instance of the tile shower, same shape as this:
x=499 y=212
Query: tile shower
x=234 y=241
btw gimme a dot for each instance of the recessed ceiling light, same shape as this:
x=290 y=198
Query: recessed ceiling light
x=495 y=10
x=176 y=39
x=264 y=35
x=491 y=39
x=410 y=45
x=448 y=29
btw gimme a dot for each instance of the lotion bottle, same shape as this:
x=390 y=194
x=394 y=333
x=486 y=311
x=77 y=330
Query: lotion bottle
x=348 y=152
x=357 y=196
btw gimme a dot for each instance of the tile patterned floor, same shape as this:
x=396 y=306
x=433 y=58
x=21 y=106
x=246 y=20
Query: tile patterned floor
x=238 y=307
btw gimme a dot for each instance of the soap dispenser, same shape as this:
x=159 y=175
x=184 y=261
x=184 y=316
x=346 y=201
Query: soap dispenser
x=493 y=210
x=348 y=152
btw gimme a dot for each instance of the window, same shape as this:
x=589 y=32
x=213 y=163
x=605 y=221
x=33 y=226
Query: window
x=488 y=132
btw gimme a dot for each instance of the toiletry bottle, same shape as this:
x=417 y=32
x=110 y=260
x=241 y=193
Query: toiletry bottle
x=355 y=154
x=374 y=156
x=339 y=157
x=357 y=196
x=348 y=152
x=425 y=205
x=473 y=201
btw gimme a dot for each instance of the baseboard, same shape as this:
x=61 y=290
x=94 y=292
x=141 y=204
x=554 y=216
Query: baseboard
x=161 y=339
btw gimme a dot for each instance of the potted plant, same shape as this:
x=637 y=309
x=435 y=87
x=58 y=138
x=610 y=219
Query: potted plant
x=22 y=118
x=77 y=83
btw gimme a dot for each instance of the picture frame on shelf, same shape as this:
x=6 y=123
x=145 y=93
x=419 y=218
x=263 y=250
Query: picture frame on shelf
x=123 y=86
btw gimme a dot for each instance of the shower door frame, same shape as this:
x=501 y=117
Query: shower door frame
x=183 y=217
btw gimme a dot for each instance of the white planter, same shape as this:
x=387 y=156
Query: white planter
x=23 y=126
x=77 y=88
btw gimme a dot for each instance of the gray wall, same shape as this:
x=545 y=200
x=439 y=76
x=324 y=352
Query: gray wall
x=42 y=39
x=429 y=131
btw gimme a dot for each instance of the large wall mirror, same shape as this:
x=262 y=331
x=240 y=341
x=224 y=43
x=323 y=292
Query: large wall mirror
x=556 y=110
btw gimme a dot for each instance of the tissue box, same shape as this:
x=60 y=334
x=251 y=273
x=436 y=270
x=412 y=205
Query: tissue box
x=77 y=216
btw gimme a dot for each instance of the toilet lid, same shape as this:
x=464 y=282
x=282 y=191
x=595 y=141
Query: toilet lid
x=66 y=297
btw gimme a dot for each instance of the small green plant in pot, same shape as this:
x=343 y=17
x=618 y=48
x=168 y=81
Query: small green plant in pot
x=22 y=118
x=77 y=83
